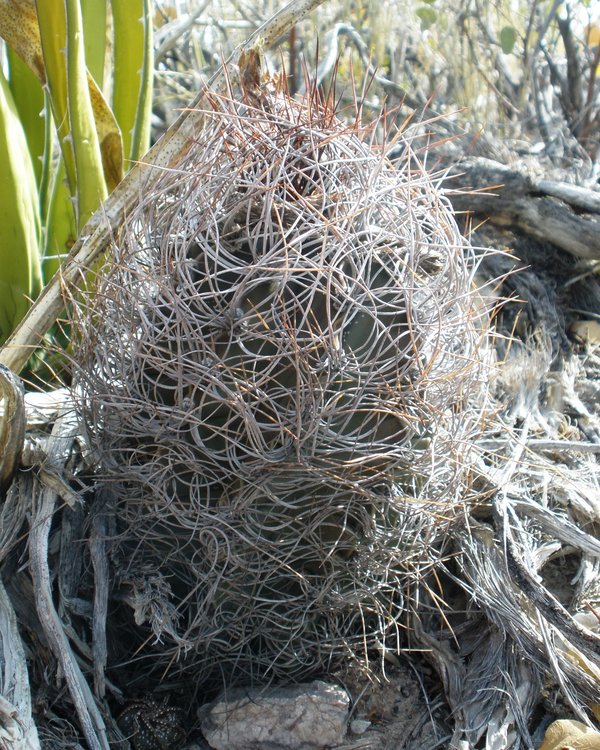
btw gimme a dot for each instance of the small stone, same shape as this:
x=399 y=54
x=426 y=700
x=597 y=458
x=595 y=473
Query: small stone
x=359 y=726
x=309 y=716
x=566 y=733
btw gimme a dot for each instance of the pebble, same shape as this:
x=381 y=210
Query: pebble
x=309 y=716
x=359 y=726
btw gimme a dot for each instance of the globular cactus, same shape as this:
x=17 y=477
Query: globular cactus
x=279 y=370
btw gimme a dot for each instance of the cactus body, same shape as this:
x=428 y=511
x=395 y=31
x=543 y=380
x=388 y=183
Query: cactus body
x=278 y=370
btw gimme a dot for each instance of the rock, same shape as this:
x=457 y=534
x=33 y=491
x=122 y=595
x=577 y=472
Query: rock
x=309 y=716
x=359 y=726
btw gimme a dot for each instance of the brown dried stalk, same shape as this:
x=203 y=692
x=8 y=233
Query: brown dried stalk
x=45 y=500
x=12 y=425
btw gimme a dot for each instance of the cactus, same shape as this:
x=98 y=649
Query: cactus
x=280 y=372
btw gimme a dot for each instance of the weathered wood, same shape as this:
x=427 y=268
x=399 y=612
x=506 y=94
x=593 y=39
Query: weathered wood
x=91 y=721
x=564 y=215
x=17 y=730
x=103 y=527
x=574 y=195
x=12 y=425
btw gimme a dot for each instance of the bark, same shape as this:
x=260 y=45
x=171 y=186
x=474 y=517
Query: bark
x=17 y=730
x=562 y=214
x=12 y=425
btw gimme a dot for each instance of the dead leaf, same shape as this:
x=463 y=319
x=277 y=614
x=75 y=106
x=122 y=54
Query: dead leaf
x=249 y=65
x=566 y=734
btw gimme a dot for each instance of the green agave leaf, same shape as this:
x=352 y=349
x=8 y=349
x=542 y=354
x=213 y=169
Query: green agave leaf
x=133 y=71
x=29 y=101
x=60 y=223
x=52 y=36
x=36 y=31
x=93 y=13
x=90 y=184
x=48 y=158
x=20 y=275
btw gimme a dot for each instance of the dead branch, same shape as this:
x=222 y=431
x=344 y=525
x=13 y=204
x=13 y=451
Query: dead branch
x=17 y=730
x=391 y=88
x=89 y=715
x=561 y=214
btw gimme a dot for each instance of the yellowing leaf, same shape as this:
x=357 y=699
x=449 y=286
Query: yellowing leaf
x=109 y=136
x=570 y=734
x=592 y=35
x=20 y=279
x=19 y=27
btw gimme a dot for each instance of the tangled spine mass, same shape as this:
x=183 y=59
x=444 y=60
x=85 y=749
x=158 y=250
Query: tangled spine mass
x=279 y=369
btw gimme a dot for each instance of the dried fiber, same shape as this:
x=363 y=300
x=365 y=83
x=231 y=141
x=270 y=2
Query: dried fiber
x=280 y=372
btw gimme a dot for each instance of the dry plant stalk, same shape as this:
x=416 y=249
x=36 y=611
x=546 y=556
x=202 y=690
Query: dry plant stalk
x=279 y=371
x=12 y=425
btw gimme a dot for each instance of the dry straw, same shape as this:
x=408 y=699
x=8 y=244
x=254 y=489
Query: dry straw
x=280 y=372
